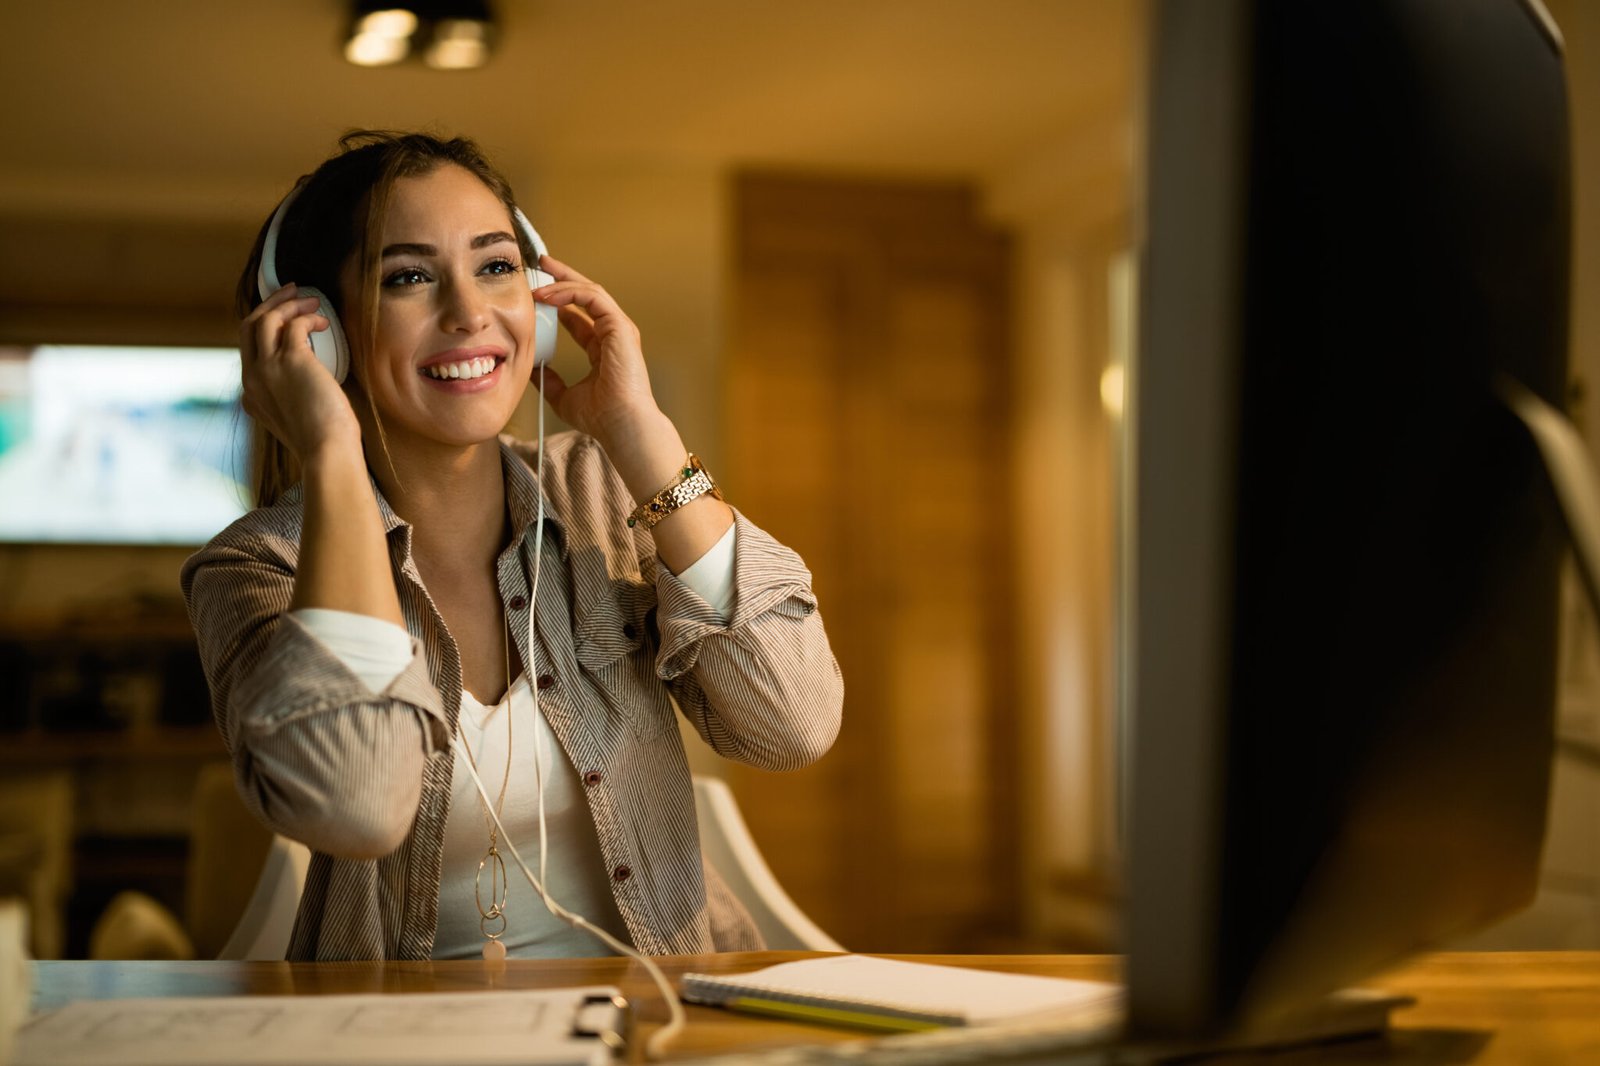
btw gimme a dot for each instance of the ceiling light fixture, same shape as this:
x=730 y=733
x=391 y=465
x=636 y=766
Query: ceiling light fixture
x=448 y=34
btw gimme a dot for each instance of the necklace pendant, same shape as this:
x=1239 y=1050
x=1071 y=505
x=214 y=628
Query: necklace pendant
x=494 y=951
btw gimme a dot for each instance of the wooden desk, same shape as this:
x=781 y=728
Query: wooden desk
x=1511 y=1008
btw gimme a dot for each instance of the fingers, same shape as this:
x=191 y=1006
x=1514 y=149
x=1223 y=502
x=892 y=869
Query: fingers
x=286 y=389
x=273 y=304
x=283 y=322
x=606 y=334
x=577 y=323
x=591 y=316
x=554 y=385
x=559 y=270
x=572 y=288
x=301 y=327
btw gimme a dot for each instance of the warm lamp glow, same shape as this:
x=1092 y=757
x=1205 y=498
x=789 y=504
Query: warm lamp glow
x=375 y=49
x=1113 y=386
x=458 y=44
x=391 y=22
x=450 y=34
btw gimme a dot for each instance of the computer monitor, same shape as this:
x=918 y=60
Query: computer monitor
x=1346 y=553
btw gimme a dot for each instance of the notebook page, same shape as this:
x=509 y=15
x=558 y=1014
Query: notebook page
x=975 y=996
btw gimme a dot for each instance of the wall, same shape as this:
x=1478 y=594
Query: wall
x=1070 y=206
x=655 y=235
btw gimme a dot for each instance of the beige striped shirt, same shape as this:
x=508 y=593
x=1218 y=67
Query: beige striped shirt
x=363 y=777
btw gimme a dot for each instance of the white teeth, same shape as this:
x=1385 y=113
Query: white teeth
x=464 y=371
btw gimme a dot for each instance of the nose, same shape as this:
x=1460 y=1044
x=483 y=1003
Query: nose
x=463 y=308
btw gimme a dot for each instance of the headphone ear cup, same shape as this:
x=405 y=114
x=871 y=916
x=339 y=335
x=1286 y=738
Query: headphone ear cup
x=545 y=328
x=546 y=323
x=329 y=344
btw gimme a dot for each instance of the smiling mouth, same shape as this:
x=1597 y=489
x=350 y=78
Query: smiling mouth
x=465 y=370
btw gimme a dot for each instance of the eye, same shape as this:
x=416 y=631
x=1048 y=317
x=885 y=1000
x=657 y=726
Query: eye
x=500 y=266
x=404 y=278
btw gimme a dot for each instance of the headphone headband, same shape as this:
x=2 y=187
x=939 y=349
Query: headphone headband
x=530 y=233
x=267 y=269
x=329 y=344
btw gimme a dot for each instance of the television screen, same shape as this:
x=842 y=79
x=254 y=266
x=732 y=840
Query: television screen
x=118 y=445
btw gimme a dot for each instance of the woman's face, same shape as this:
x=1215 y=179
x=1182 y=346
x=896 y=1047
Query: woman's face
x=453 y=350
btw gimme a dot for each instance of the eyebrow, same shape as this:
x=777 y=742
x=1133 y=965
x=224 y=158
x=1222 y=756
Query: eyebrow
x=482 y=240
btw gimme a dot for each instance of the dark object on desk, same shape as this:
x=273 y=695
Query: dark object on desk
x=1344 y=625
x=606 y=1017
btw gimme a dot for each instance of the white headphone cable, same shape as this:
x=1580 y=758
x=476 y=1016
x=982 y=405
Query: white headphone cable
x=662 y=1038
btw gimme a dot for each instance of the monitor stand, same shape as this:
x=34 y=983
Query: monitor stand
x=1351 y=1014
x=1572 y=474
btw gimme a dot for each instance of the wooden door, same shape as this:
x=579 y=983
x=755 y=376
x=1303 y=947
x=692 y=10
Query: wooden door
x=867 y=398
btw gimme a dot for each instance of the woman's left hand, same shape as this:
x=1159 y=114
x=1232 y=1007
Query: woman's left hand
x=614 y=398
x=614 y=405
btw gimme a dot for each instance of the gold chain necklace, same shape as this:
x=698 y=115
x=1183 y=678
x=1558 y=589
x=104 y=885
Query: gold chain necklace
x=494 y=949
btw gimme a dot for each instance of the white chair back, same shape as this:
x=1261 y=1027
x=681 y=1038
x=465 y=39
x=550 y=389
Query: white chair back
x=726 y=842
x=264 y=927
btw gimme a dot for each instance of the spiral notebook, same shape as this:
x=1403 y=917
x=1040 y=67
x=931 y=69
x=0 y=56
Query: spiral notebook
x=861 y=990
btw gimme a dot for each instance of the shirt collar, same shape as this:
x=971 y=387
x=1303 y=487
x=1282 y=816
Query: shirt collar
x=522 y=500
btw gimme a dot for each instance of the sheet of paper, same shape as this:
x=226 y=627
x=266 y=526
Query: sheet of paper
x=487 y=1028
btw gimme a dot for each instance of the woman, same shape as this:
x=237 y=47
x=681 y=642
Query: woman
x=393 y=617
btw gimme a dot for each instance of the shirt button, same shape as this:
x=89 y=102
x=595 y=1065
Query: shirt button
x=545 y=681
x=630 y=631
x=517 y=603
x=593 y=778
x=621 y=873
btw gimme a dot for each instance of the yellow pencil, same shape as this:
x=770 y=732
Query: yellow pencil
x=806 y=1012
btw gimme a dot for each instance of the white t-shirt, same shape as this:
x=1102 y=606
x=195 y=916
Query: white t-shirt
x=576 y=874
x=575 y=870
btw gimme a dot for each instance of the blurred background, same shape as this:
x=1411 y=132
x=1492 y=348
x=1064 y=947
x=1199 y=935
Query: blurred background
x=882 y=256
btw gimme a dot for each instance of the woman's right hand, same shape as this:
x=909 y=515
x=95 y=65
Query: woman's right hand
x=286 y=388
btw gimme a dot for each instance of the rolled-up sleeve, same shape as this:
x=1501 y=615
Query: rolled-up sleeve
x=318 y=755
x=762 y=688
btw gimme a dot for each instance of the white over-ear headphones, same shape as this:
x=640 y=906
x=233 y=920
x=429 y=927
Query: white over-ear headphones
x=330 y=346
x=546 y=324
